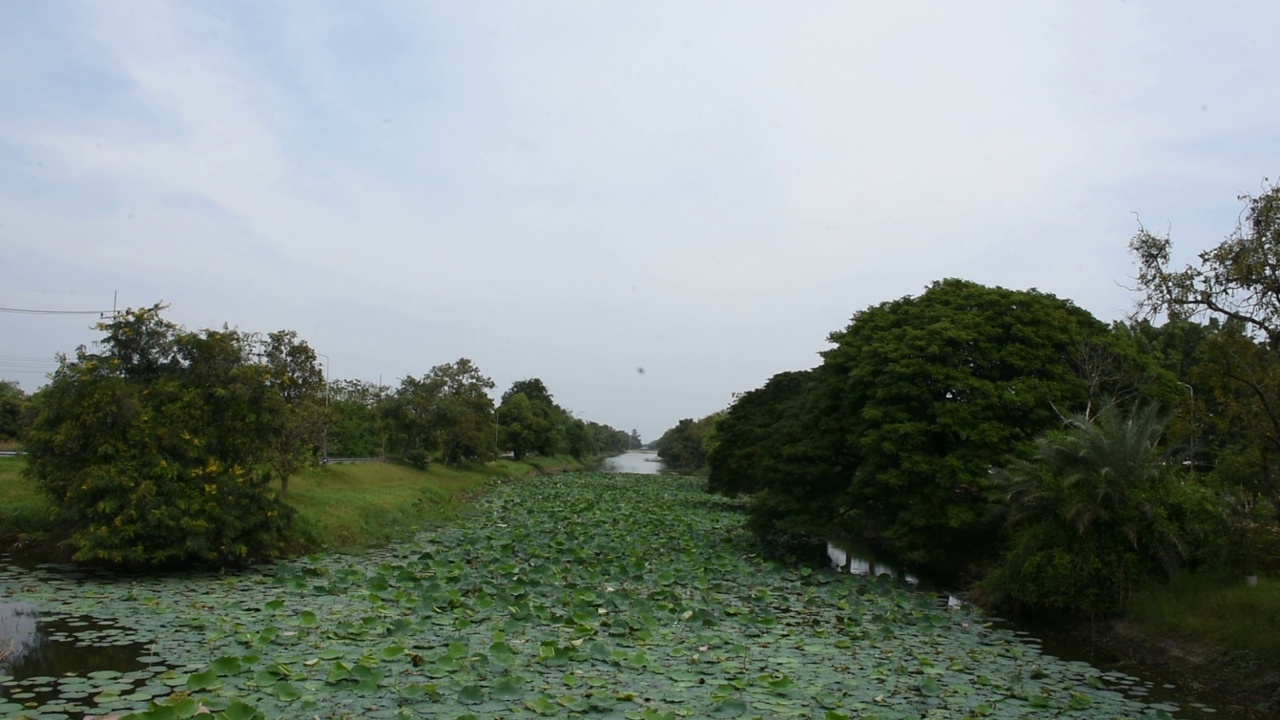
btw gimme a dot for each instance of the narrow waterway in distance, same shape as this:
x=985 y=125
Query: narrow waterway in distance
x=640 y=462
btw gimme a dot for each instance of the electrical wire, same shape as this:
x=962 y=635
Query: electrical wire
x=30 y=311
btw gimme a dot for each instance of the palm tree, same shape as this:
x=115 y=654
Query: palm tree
x=1102 y=474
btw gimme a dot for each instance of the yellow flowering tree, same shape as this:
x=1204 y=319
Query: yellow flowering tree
x=154 y=451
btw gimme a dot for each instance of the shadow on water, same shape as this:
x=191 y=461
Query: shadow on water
x=1150 y=687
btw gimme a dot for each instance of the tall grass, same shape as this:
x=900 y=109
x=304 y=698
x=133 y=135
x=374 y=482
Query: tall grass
x=1216 y=608
x=23 y=509
x=351 y=507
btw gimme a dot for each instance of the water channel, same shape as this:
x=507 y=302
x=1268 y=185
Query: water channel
x=47 y=655
x=640 y=462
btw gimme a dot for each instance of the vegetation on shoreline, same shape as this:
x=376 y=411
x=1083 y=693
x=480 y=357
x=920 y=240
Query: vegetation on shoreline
x=581 y=595
x=24 y=510
x=341 y=508
x=351 y=507
x=1216 y=608
x=170 y=448
x=1063 y=465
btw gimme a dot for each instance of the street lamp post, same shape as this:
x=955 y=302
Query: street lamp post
x=324 y=437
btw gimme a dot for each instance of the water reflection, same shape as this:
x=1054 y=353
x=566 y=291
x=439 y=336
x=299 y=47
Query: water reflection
x=855 y=560
x=858 y=559
x=17 y=632
x=35 y=646
x=640 y=462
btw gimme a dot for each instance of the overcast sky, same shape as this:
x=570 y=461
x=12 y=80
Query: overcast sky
x=577 y=190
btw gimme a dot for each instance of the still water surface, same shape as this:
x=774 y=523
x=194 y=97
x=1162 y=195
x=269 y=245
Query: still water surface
x=641 y=462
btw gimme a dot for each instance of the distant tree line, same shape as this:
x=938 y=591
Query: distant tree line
x=1011 y=438
x=167 y=446
x=447 y=414
x=14 y=404
x=684 y=448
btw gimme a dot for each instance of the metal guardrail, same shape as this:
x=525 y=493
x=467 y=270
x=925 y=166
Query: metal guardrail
x=11 y=453
x=349 y=461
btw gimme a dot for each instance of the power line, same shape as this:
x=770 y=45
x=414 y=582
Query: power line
x=30 y=311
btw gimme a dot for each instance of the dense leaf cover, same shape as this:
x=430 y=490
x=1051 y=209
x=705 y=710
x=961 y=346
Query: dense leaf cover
x=155 y=451
x=570 y=596
x=1098 y=510
x=895 y=436
x=684 y=448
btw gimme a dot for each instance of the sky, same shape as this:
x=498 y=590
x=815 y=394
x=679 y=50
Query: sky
x=648 y=205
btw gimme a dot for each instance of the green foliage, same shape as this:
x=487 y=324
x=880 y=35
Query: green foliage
x=446 y=412
x=566 y=596
x=757 y=440
x=1051 y=567
x=153 y=451
x=464 y=412
x=1099 y=509
x=299 y=404
x=531 y=422
x=1234 y=282
x=934 y=390
x=13 y=406
x=683 y=448
x=24 y=510
x=358 y=427
x=1215 y=607
x=894 y=437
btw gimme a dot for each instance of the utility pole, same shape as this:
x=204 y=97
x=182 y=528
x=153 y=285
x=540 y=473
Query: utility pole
x=324 y=437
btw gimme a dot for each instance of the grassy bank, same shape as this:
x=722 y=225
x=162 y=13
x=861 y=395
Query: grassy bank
x=342 y=508
x=1214 y=609
x=345 y=508
x=23 y=510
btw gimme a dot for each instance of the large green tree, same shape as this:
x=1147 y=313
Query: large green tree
x=895 y=437
x=446 y=412
x=532 y=422
x=463 y=418
x=300 y=403
x=760 y=437
x=933 y=391
x=155 y=450
x=411 y=413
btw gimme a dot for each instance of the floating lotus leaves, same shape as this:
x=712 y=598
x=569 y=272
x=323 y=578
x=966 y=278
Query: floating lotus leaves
x=585 y=595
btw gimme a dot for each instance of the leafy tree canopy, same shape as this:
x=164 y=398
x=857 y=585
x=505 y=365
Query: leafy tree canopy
x=894 y=437
x=1235 y=283
x=155 y=450
x=532 y=423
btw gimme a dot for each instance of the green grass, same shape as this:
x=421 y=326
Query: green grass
x=346 y=508
x=23 y=510
x=343 y=508
x=1216 y=609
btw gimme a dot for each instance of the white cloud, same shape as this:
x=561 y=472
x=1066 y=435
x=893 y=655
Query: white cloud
x=574 y=190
